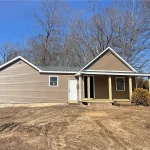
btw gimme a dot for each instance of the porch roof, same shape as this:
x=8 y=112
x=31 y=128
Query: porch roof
x=114 y=73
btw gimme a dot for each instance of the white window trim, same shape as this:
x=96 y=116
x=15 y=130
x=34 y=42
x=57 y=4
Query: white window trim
x=50 y=80
x=124 y=83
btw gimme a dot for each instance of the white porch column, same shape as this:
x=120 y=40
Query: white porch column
x=110 y=87
x=149 y=83
x=88 y=79
x=130 y=87
x=80 y=78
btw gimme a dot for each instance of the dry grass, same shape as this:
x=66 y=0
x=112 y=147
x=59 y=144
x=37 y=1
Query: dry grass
x=75 y=128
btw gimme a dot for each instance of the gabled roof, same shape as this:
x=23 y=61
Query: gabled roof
x=43 y=69
x=61 y=69
x=17 y=58
x=109 y=49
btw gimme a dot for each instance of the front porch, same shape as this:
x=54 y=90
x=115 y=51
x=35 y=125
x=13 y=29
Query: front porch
x=102 y=89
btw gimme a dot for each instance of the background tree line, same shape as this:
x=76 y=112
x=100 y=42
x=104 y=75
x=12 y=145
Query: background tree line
x=70 y=39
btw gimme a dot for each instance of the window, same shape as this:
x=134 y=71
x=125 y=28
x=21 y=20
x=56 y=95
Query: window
x=53 y=81
x=120 y=84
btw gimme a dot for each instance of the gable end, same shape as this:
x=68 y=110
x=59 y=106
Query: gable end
x=13 y=61
x=108 y=60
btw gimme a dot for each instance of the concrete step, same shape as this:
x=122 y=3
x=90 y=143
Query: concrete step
x=126 y=105
x=123 y=103
x=73 y=103
x=129 y=102
x=96 y=102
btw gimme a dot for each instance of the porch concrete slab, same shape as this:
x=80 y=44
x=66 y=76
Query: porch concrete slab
x=98 y=101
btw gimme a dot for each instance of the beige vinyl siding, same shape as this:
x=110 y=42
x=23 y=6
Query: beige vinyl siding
x=20 y=83
x=101 y=87
x=120 y=94
x=108 y=61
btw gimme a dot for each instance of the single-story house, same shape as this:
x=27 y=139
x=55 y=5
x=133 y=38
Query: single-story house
x=106 y=78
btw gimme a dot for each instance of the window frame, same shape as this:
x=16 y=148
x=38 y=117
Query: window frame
x=117 y=84
x=50 y=81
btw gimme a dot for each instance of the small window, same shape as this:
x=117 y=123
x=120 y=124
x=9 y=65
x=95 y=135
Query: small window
x=53 y=81
x=120 y=84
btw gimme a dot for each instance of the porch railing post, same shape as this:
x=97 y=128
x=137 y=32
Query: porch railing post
x=130 y=87
x=88 y=78
x=110 y=87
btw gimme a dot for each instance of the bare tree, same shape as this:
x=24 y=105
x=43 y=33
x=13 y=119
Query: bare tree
x=8 y=52
x=123 y=26
x=49 y=40
x=131 y=28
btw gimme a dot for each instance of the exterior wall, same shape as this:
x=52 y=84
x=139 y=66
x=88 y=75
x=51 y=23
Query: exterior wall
x=120 y=94
x=101 y=87
x=108 y=61
x=20 y=83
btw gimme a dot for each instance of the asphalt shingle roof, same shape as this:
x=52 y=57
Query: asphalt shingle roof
x=59 y=68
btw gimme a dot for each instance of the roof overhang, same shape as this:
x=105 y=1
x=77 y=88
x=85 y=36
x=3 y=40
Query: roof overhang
x=113 y=73
x=59 y=72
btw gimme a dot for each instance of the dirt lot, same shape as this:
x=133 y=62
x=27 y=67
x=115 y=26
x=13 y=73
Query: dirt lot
x=75 y=128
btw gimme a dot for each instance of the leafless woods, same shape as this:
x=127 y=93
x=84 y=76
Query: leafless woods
x=67 y=38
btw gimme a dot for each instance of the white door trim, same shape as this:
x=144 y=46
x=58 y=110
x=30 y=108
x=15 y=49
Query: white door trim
x=69 y=89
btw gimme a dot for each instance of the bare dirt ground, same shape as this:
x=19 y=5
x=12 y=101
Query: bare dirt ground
x=75 y=128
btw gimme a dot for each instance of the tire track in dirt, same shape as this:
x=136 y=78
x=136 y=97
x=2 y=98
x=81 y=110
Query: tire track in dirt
x=112 y=136
x=8 y=126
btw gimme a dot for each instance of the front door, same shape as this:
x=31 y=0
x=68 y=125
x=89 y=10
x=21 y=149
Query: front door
x=90 y=86
x=72 y=89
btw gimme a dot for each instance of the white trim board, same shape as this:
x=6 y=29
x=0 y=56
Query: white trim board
x=113 y=73
x=109 y=48
x=70 y=72
x=107 y=71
